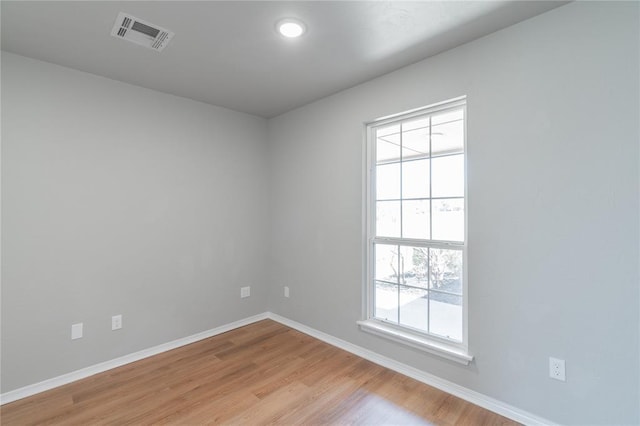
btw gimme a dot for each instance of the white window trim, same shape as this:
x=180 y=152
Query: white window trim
x=455 y=351
x=424 y=343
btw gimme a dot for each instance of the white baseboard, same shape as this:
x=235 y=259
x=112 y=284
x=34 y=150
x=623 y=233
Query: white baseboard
x=469 y=395
x=126 y=359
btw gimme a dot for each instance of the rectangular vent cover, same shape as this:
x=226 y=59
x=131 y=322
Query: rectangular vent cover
x=141 y=32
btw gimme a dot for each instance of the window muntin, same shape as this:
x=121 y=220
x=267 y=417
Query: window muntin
x=417 y=218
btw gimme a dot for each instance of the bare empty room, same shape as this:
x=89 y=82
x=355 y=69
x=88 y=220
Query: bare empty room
x=320 y=212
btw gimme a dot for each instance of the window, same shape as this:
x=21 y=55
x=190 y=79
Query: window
x=416 y=229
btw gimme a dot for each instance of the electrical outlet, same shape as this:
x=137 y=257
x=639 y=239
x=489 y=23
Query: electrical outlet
x=286 y=291
x=556 y=369
x=76 y=331
x=245 y=292
x=116 y=322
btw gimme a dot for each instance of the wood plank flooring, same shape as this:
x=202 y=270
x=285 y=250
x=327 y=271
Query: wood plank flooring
x=264 y=373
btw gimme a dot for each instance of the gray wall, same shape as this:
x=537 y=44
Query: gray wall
x=553 y=210
x=121 y=200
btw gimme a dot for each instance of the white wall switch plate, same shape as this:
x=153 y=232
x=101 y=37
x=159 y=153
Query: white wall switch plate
x=76 y=331
x=116 y=322
x=556 y=369
x=286 y=291
x=245 y=292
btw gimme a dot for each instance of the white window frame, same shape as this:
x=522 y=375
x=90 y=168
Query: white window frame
x=446 y=348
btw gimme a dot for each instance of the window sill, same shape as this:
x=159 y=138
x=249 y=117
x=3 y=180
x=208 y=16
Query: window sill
x=425 y=344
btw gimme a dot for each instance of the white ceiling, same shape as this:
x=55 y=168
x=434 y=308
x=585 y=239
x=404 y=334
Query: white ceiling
x=228 y=53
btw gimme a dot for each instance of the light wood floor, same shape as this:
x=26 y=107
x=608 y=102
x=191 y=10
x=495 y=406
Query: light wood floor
x=263 y=373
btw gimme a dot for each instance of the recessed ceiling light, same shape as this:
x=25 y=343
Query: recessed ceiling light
x=291 y=28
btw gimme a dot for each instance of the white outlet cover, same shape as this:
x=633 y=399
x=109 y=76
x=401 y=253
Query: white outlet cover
x=245 y=292
x=286 y=291
x=116 y=322
x=76 y=331
x=557 y=369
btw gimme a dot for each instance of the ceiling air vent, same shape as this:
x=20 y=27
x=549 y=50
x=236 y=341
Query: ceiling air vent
x=141 y=32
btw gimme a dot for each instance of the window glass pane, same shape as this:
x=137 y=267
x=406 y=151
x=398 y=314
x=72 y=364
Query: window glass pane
x=388 y=182
x=388 y=143
x=447 y=218
x=388 y=219
x=416 y=123
x=445 y=315
x=445 y=270
x=415 y=179
x=447 y=116
x=386 y=301
x=387 y=152
x=448 y=176
x=414 y=264
x=447 y=138
x=415 y=219
x=388 y=130
x=414 y=308
x=387 y=263
x=415 y=144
